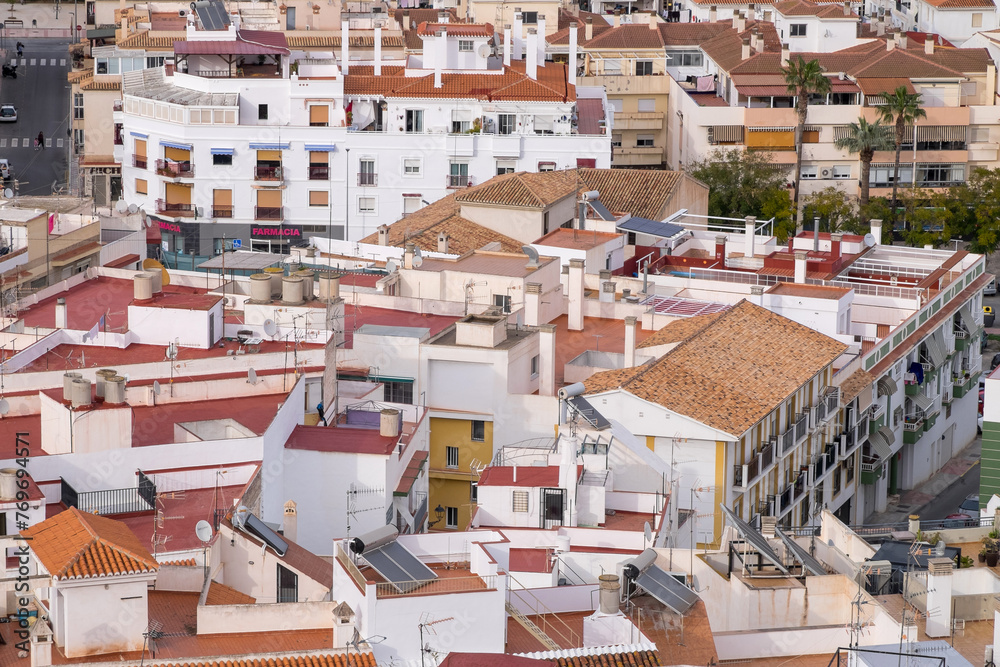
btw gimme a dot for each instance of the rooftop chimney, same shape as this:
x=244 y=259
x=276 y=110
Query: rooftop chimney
x=847 y=8
x=442 y=243
x=877 y=231
x=753 y=38
x=720 y=251
x=572 y=65
x=939 y=595
x=760 y=43
x=383 y=235
x=575 y=281
x=751 y=12
x=408 y=255
x=345 y=55
x=654 y=23
x=767 y=16
x=929 y=44
x=713 y=14
x=406 y=21
x=441 y=44
x=588 y=28
x=630 y=326
x=745 y=52
x=835 y=241
x=901 y=38
x=532 y=304
x=740 y=22
x=531 y=64
x=540 y=43
x=890 y=43
x=290 y=523
x=801 y=257
x=749 y=238
x=518 y=35
x=443 y=16
x=547 y=360
x=879 y=28
x=507 y=45
x=618 y=17
x=61 y=315
x=785 y=52
x=343 y=625
x=378 y=51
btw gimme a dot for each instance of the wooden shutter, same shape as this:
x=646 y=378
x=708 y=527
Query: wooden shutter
x=268 y=156
x=269 y=198
x=140 y=148
x=176 y=154
x=319 y=114
x=319 y=158
x=319 y=198
x=178 y=194
x=140 y=186
x=222 y=197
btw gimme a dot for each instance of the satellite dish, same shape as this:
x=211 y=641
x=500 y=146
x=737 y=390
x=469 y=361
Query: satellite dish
x=647 y=532
x=132 y=208
x=484 y=50
x=203 y=530
x=8 y=193
x=392 y=266
x=153 y=264
x=4 y=406
x=121 y=206
x=156 y=387
x=171 y=351
x=869 y=240
x=418 y=259
x=270 y=328
x=251 y=376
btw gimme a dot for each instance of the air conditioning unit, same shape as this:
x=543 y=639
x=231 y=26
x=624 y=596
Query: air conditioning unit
x=826 y=173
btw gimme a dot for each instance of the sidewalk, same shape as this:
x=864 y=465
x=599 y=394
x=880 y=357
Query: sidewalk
x=915 y=500
x=44 y=15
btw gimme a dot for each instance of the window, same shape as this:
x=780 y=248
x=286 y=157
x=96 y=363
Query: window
x=319 y=115
x=78 y=144
x=977 y=20
x=935 y=175
x=451 y=455
x=140 y=186
x=881 y=176
x=77 y=106
x=222 y=160
x=546 y=166
x=261 y=112
x=530 y=18
x=478 y=431
x=458 y=176
x=612 y=67
x=647 y=105
x=154 y=61
x=465 y=45
x=809 y=172
x=474 y=492
x=545 y=224
x=841 y=171
x=451 y=521
x=797 y=30
x=411 y=166
x=288 y=585
x=506 y=123
x=411 y=204
x=366 y=204
x=398 y=392
x=366 y=172
x=414 y=121
x=644 y=140
x=319 y=198
x=616 y=141
x=684 y=58
x=506 y=167
x=459 y=126
x=519 y=501
x=534 y=366
x=502 y=301
x=643 y=67
x=617 y=105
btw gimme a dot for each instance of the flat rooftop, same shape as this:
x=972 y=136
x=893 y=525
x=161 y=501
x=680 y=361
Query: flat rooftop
x=576 y=239
x=604 y=335
x=487 y=263
x=182 y=510
x=343 y=439
x=356 y=317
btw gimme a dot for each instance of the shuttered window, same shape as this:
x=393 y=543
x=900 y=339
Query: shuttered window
x=268 y=156
x=140 y=186
x=222 y=197
x=176 y=154
x=771 y=139
x=178 y=194
x=319 y=198
x=140 y=148
x=319 y=115
x=725 y=134
x=319 y=158
x=269 y=198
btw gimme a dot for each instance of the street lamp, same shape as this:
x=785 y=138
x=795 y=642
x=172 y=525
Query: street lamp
x=439 y=513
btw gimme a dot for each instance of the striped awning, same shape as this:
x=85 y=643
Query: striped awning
x=726 y=133
x=841 y=132
x=771 y=129
x=887 y=386
x=173 y=144
x=321 y=148
x=269 y=147
x=922 y=402
x=881 y=442
x=935 y=348
x=139 y=135
x=941 y=133
x=223 y=151
x=967 y=318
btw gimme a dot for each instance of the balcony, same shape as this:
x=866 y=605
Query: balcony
x=642 y=120
x=745 y=476
x=796 y=432
x=457 y=181
x=912 y=388
x=139 y=162
x=871 y=472
x=174 y=209
x=876 y=418
x=637 y=155
x=824 y=463
x=172 y=169
x=222 y=211
x=913 y=430
x=268 y=173
x=961 y=340
x=319 y=172
x=367 y=180
x=268 y=213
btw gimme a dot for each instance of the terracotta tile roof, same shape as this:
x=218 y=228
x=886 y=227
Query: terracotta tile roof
x=424 y=15
x=222 y=594
x=78 y=75
x=146 y=39
x=566 y=17
x=91 y=84
x=680 y=330
x=960 y=4
x=79 y=545
x=643 y=193
x=313 y=40
x=513 y=84
x=731 y=374
x=879 y=86
x=522 y=189
x=326 y=660
x=853 y=385
x=187 y=562
x=561 y=36
x=807 y=8
x=457 y=29
x=726 y=48
x=640 y=36
x=898 y=62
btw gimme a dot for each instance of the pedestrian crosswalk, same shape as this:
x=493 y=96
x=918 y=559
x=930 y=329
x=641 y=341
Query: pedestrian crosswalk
x=28 y=142
x=39 y=62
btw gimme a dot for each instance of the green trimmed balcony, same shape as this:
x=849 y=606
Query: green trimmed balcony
x=913 y=431
x=871 y=472
x=913 y=389
x=875 y=424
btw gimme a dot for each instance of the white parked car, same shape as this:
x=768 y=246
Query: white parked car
x=8 y=113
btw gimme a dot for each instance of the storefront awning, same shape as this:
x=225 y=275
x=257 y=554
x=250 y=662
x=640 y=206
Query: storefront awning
x=887 y=386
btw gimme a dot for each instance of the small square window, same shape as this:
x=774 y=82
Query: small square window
x=451 y=454
x=534 y=366
x=977 y=20
x=452 y=518
x=466 y=45
x=809 y=172
x=502 y=301
x=140 y=186
x=261 y=112
x=797 y=30
x=644 y=140
x=529 y=18
x=643 y=67
x=546 y=166
x=506 y=167
x=222 y=160
x=474 y=492
x=411 y=166
x=320 y=198
x=519 y=501
x=478 y=431
x=842 y=171
x=366 y=204
x=616 y=141
x=617 y=104
x=647 y=105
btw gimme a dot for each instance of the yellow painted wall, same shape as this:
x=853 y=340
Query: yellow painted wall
x=451 y=487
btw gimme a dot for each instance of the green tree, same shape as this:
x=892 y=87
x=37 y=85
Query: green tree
x=802 y=78
x=865 y=138
x=836 y=211
x=901 y=108
x=975 y=210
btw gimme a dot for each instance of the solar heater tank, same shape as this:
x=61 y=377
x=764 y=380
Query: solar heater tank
x=373 y=539
x=633 y=568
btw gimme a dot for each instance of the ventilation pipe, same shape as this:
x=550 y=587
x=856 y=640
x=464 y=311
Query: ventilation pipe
x=68 y=379
x=571 y=68
x=532 y=304
x=507 y=46
x=576 y=294
x=62 y=316
x=383 y=234
x=713 y=14
x=518 y=35
x=378 y=51
x=80 y=395
x=631 y=322
x=610 y=592
x=540 y=43
x=143 y=286
x=442 y=243
x=877 y=231
x=801 y=257
x=939 y=597
x=547 y=360
x=588 y=28
x=345 y=54
x=929 y=44
x=157 y=279
x=291 y=290
x=531 y=64
x=308 y=287
x=114 y=390
x=749 y=238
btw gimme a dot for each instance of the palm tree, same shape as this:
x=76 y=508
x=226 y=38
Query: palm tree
x=865 y=138
x=901 y=108
x=802 y=78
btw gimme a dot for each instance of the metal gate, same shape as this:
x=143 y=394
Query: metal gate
x=552 y=507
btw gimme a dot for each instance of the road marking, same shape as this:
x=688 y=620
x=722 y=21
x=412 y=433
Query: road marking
x=3 y=143
x=62 y=62
x=42 y=62
x=59 y=143
x=32 y=63
x=48 y=143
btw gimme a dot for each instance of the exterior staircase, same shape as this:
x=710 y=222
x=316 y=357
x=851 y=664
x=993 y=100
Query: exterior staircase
x=535 y=631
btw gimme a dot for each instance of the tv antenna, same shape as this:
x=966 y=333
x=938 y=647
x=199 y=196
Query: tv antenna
x=352 y=502
x=171 y=357
x=431 y=630
x=154 y=631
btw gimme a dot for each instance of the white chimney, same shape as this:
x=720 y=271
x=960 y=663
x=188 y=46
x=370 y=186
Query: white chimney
x=890 y=43
x=800 y=266
x=739 y=21
x=759 y=47
x=901 y=38
x=406 y=21
x=745 y=51
x=575 y=284
x=532 y=304
x=588 y=28
x=540 y=44
x=939 y=588
x=547 y=360
x=518 y=36
x=378 y=51
x=442 y=243
x=929 y=44
x=290 y=523
x=757 y=295
x=343 y=625
x=751 y=12
x=440 y=43
x=713 y=14
x=630 y=332
x=383 y=234
x=877 y=231
x=61 y=314
x=531 y=64
x=750 y=239
x=408 y=256
x=785 y=53
x=879 y=28
x=847 y=8
x=618 y=17
x=345 y=47
x=507 y=46
x=571 y=67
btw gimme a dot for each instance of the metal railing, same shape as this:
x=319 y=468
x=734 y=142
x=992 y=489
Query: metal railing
x=351 y=569
x=222 y=211
x=458 y=181
x=267 y=213
x=173 y=169
x=470 y=584
x=268 y=173
x=139 y=162
x=113 y=501
x=877 y=410
x=319 y=172
x=173 y=207
x=801 y=426
x=367 y=179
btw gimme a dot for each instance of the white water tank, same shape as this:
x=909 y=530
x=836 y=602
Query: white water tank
x=291 y=290
x=68 y=384
x=114 y=390
x=8 y=484
x=143 y=283
x=260 y=287
x=609 y=595
x=324 y=286
x=81 y=395
x=308 y=292
x=157 y=279
x=334 y=286
x=276 y=273
x=388 y=423
x=102 y=377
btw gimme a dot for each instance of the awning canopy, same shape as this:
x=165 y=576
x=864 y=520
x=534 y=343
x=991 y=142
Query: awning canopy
x=235 y=47
x=172 y=144
x=922 y=402
x=137 y=135
x=321 y=148
x=887 y=386
x=935 y=348
x=269 y=147
x=223 y=151
x=881 y=442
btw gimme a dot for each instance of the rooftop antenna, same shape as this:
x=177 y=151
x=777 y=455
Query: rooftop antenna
x=154 y=630
x=203 y=531
x=172 y=357
x=429 y=626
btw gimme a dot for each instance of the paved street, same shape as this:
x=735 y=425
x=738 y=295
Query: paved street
x=41 y=95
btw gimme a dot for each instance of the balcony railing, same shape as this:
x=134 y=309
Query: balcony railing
x=470 y=584
x=367 y=179
x=801 y=426
x=268 y=213
x=173 y=208
x=877 y=410
x=222 y=211
x=173 y=169
x=319 y=172
x=139 y=162
x=268 y=173
x=458 y=181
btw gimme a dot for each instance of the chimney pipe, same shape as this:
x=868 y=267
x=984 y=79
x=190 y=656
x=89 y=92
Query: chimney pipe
x=571 y=67
x=751 y=12
x=760 y=43
x=835 y=242
x=785 y=54
x=630 y=325
x=518 y=35
x=740 y=22
x=588 y=28
x=902 y=39
x=939 y=597
x=720 y=251
x=440 y=45
x=547 y=360
x=890 y=43
x=442 y=243
x=532 y=304
x=540 y=43
x=767 y=16
x=877 y=231
x=618 y=17
x=383 y=235
x=408 y=255
x=378 y=51
x=61 y=314
x=847 y=8
x=575 y=295
x=406 y=21
x=929 y=44
x=757 y=295
x=745 y=51
x=654 y=23
x=749 y=238
x=713 y=14
x=879 y=28
x=345 y=47
x=290 y=523
x=531 y=64
x=801 y=257
x=507 y=46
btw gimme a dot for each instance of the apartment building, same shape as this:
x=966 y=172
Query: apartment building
x=955 y=21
